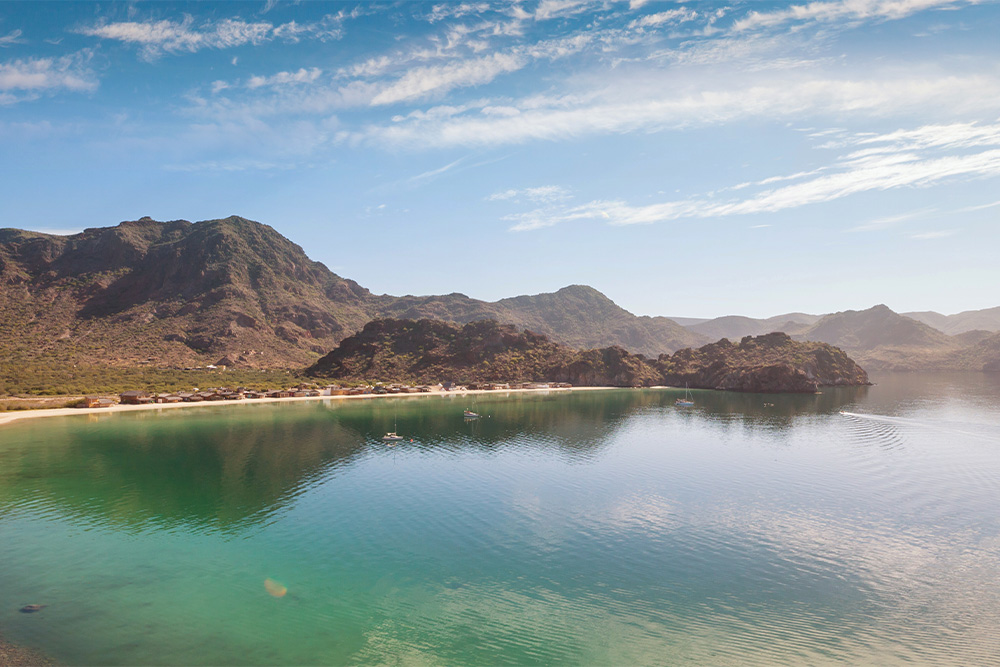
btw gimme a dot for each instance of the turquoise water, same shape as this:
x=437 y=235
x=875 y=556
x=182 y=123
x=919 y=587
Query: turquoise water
x=604 y=527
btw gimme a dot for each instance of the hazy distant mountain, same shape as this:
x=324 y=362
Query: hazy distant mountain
x=882 y=339
x=237 y=292
x=578 y=316
x=735 y=327
x=582 y=317
x=983 y=355
x=868 y=329
x=987 y=319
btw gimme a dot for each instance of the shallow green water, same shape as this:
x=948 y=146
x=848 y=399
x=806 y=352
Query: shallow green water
x=577 y=528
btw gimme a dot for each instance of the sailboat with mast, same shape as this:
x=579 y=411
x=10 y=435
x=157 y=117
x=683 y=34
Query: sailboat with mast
x=687 y=401
x=392 y=436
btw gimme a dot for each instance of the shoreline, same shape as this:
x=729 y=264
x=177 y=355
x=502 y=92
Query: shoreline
x=7 y=418
x=12 y=655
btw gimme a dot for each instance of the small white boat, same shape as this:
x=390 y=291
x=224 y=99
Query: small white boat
x=392 y=436
x=687 y=401
x=469 y=414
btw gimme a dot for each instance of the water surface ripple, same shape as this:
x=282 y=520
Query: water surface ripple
x=858 y=526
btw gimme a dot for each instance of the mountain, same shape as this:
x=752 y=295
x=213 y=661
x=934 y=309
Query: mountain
x=577 y=316
x=987 y=319
x=735 y=327
x=882 y=339
x=429 y=350
x=875 y=327
x=236 y=292
x=983 y=355
x=172 y=292
x=878 y=337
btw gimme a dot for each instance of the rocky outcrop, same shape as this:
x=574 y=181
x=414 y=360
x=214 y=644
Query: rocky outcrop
x=769 y=363
x=429 y=350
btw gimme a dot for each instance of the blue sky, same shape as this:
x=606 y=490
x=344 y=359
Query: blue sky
x=685 y=158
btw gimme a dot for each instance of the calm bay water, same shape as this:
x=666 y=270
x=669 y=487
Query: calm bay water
x=604 y=527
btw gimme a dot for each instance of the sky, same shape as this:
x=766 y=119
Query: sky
x=689 y=159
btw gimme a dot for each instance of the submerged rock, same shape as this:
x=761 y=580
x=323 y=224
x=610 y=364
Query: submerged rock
x=32 y=608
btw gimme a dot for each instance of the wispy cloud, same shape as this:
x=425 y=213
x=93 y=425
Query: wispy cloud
x=930 y=236
x=422 y=81
x=13 y=37
x=301 y=76
x=842 y=10
x=980 y=207
x=886 y=222
x=540 y=194
x=445 y=11
x=431 y=174
x=889 y=161
x=373 y=86
x=618 y=111
x=669 y=17
x=167 y=36
x=550 y=9
x=29 y=78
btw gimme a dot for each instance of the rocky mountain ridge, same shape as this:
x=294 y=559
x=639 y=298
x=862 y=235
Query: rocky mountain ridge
x=430 y=350
x=236 y=292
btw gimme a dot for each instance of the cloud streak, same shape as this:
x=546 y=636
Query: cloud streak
x=28 y=78
x=154 y=38
x=842 y=10
x=568 y=117
x=890 y=161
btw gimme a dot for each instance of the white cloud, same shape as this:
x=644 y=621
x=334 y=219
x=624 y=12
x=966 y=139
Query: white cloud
x=549 y=9
x=452 y=11
x=421 y=81
x=28 y=78
x=885 y=167
x=285 y=78
x=10 y=38
x=842 y=10
x=544 y=194
x=157 y=37
x=615 y=111
x=415 y=83
x=669 y=17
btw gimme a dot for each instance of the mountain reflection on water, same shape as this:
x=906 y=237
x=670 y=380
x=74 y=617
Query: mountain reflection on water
x=220 y=468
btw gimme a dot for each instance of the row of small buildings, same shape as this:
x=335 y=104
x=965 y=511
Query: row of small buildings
x=225 y=394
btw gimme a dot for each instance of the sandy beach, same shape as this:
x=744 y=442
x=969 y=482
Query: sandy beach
x=7 y=418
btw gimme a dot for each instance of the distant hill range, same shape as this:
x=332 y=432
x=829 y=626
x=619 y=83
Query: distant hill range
x=432 y=350
x=236 y=292
x=881 y=339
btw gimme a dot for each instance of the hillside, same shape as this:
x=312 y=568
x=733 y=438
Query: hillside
x=872 y=328
x=987 y=319
x=236 y=292
x=735 y=327
x=172 y=292
x=428 y=351
x=577 y=316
